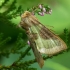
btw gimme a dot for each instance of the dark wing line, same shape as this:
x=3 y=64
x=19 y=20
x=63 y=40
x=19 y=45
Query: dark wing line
x=46 y=36
x=42 y=33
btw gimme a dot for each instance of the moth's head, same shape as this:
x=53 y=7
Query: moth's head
x=27 y=19
x=26 y=14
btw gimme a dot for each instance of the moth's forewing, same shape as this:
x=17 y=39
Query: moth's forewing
x=47 y=42
x=42 y=38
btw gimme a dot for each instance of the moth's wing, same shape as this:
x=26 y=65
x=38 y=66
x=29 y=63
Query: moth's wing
x=37 y=54
x=46 y=41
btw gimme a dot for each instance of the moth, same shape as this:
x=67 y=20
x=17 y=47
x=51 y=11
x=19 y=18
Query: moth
x=42 y=40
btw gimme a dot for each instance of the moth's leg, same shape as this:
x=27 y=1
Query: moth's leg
x=49 y=26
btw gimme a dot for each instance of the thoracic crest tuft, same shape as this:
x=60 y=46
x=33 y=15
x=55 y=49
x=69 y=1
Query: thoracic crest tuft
x=25 y=14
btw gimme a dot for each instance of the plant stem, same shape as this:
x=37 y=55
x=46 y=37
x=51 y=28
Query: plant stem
x=24 y=54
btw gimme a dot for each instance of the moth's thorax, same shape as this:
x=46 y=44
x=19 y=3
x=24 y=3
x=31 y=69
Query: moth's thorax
x=25 y=14
x=28 y=18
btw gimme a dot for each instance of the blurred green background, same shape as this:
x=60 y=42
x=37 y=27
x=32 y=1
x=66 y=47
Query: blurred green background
x=59 y=19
